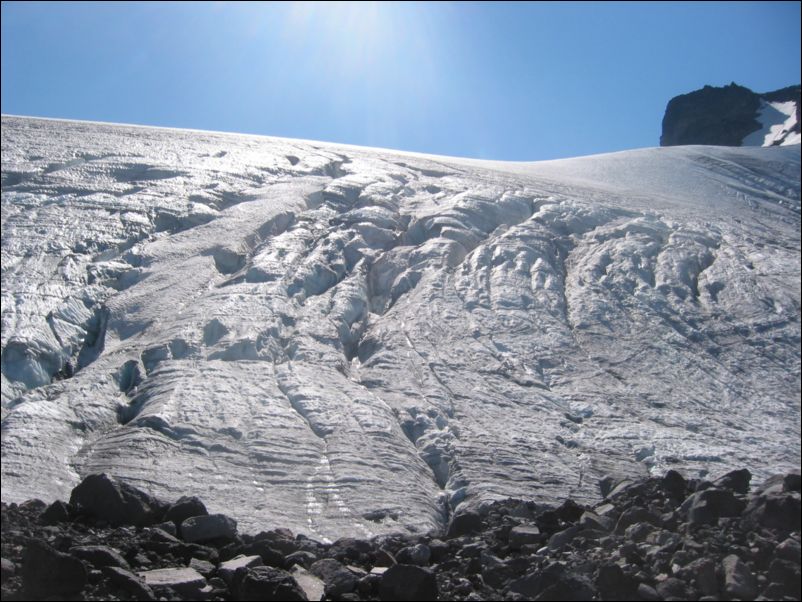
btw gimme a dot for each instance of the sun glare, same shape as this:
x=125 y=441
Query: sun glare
x=355 y=37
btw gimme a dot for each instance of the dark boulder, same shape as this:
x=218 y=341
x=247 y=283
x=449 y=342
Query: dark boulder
x=338 y=579
x=674 y=484
x=635 y=515
x=707 y=506
x=533 y=583
x=674 y=589
x=270 y=556
x=57 y=512
x=464 y=523
x=792 y=482
x=408 y=582
x=787 y=574
x=737 y=481
x=128 y=582
x=208 y=528
x=47 y=572
x=116 y=502
x=349 y=548
x=184 y=508
x=779 y=511
x=613 y=583
x=419 y=554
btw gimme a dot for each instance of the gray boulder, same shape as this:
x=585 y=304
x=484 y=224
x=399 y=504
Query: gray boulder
x=268 y=583
x=739 y=582
x=707 y=506
x=100 y=556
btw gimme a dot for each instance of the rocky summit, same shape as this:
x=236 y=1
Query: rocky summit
x=660 y=538
x=733 y=116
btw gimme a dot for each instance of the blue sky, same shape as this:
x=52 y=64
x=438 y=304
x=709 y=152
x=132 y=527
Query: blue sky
x=515 y=81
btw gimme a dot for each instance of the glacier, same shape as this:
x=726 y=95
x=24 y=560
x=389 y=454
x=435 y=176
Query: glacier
x=349 y=341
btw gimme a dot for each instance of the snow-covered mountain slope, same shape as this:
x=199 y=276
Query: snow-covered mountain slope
x=344 y=340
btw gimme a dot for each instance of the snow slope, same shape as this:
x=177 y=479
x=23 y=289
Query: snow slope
x=777 y=120
x=352 y=341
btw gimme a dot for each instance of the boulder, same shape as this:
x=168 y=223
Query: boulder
x=9 y=568
x=300 y=558
x=792 y=482
x=739 y=582
x=184 y=508
x=789 y=549
x=633 y=515
x=47 y=572
x=464 y=523
x=779 y=511
x=591 y=520
x=736 y=481
x=570 y=586
x=673 y=589
x=116 y=502
x=128 y=582
x=185 y=581
x=408 y=582
x=268 y=583
x=57 y=512
x=647 y=592
x=100 y=556
x=524 y=535
x=337 y=578
x=419 y=554
x=702 y=573
x=313 y=587
x=532 y=584
x=281 y=540
x=562 y=538
x=606 y=484
x=227 y=569
x=787 y=574
x=674 y=484
x=349 y=548
x=208 y=528
x=613 y=583
x=270 y=556
x=204 y=567
x=707 y=506
x=167 y=527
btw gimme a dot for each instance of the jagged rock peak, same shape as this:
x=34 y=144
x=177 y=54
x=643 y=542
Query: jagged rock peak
x=733 y=116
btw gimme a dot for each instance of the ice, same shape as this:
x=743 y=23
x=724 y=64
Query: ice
x=352 y=341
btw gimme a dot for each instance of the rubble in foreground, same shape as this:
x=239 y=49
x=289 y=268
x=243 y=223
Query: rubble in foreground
x=666 y=538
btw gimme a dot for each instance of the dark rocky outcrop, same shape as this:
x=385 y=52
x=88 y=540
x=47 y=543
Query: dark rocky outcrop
x=719 y=116
x=668 y=538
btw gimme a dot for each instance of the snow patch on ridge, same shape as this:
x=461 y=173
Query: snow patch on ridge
x=777 y=120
